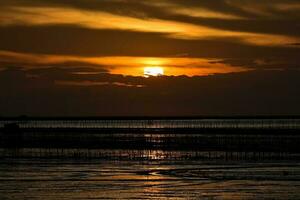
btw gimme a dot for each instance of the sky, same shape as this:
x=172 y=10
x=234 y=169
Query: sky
x=149 y=58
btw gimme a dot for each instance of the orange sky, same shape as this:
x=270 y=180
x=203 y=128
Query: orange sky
x=131 y=65
x=98 y=57
x=183 y=38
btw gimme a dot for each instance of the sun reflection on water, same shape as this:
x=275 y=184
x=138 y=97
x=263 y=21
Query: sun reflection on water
x=154 y=154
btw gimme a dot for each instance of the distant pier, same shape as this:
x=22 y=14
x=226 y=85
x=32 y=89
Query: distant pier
x=142 y=138
x=153 y=123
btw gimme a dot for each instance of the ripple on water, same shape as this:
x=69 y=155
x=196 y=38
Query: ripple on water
x=36 y=179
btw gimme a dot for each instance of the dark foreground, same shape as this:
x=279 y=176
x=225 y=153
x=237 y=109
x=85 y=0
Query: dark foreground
x=61 y=165
x=156 y=179
x=237 y=138
x=191 y=159
x=188 y=144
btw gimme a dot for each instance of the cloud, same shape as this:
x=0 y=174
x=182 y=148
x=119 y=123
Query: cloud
x=272 y=63
x=111 y=34
x=105 y=50
x=93 y=83
x=244 y=93
x=105 y=20
x=192 y=11
x=120 y=64
x=78 y=57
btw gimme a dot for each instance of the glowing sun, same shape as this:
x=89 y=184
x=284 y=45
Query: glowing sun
x=153 y=71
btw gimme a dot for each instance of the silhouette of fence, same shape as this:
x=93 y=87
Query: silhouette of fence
x=155 y=123
x=193 y=138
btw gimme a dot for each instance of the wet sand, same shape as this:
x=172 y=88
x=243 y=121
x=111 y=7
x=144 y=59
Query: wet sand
x=156 y=179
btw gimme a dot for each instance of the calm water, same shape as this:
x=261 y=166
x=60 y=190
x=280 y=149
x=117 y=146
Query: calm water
x=159 y=179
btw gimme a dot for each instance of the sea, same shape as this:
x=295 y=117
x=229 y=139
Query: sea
x=141 y=172
x=156 y=179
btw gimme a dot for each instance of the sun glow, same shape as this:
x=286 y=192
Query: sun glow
x=153 y=71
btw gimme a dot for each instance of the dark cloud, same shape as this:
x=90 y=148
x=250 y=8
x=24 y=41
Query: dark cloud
x=227 y=94
x=263 y=63
x=288 y=27
x=285 y=22
x=75 y=66
x=82 y=88
x=69 y=40
x=148 y=8
x=77 y=41
x=80 y=75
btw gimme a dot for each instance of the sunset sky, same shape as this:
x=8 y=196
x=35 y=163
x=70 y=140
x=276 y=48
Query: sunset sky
x=149 y=57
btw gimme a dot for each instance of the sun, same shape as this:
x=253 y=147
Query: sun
x=153 y=71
